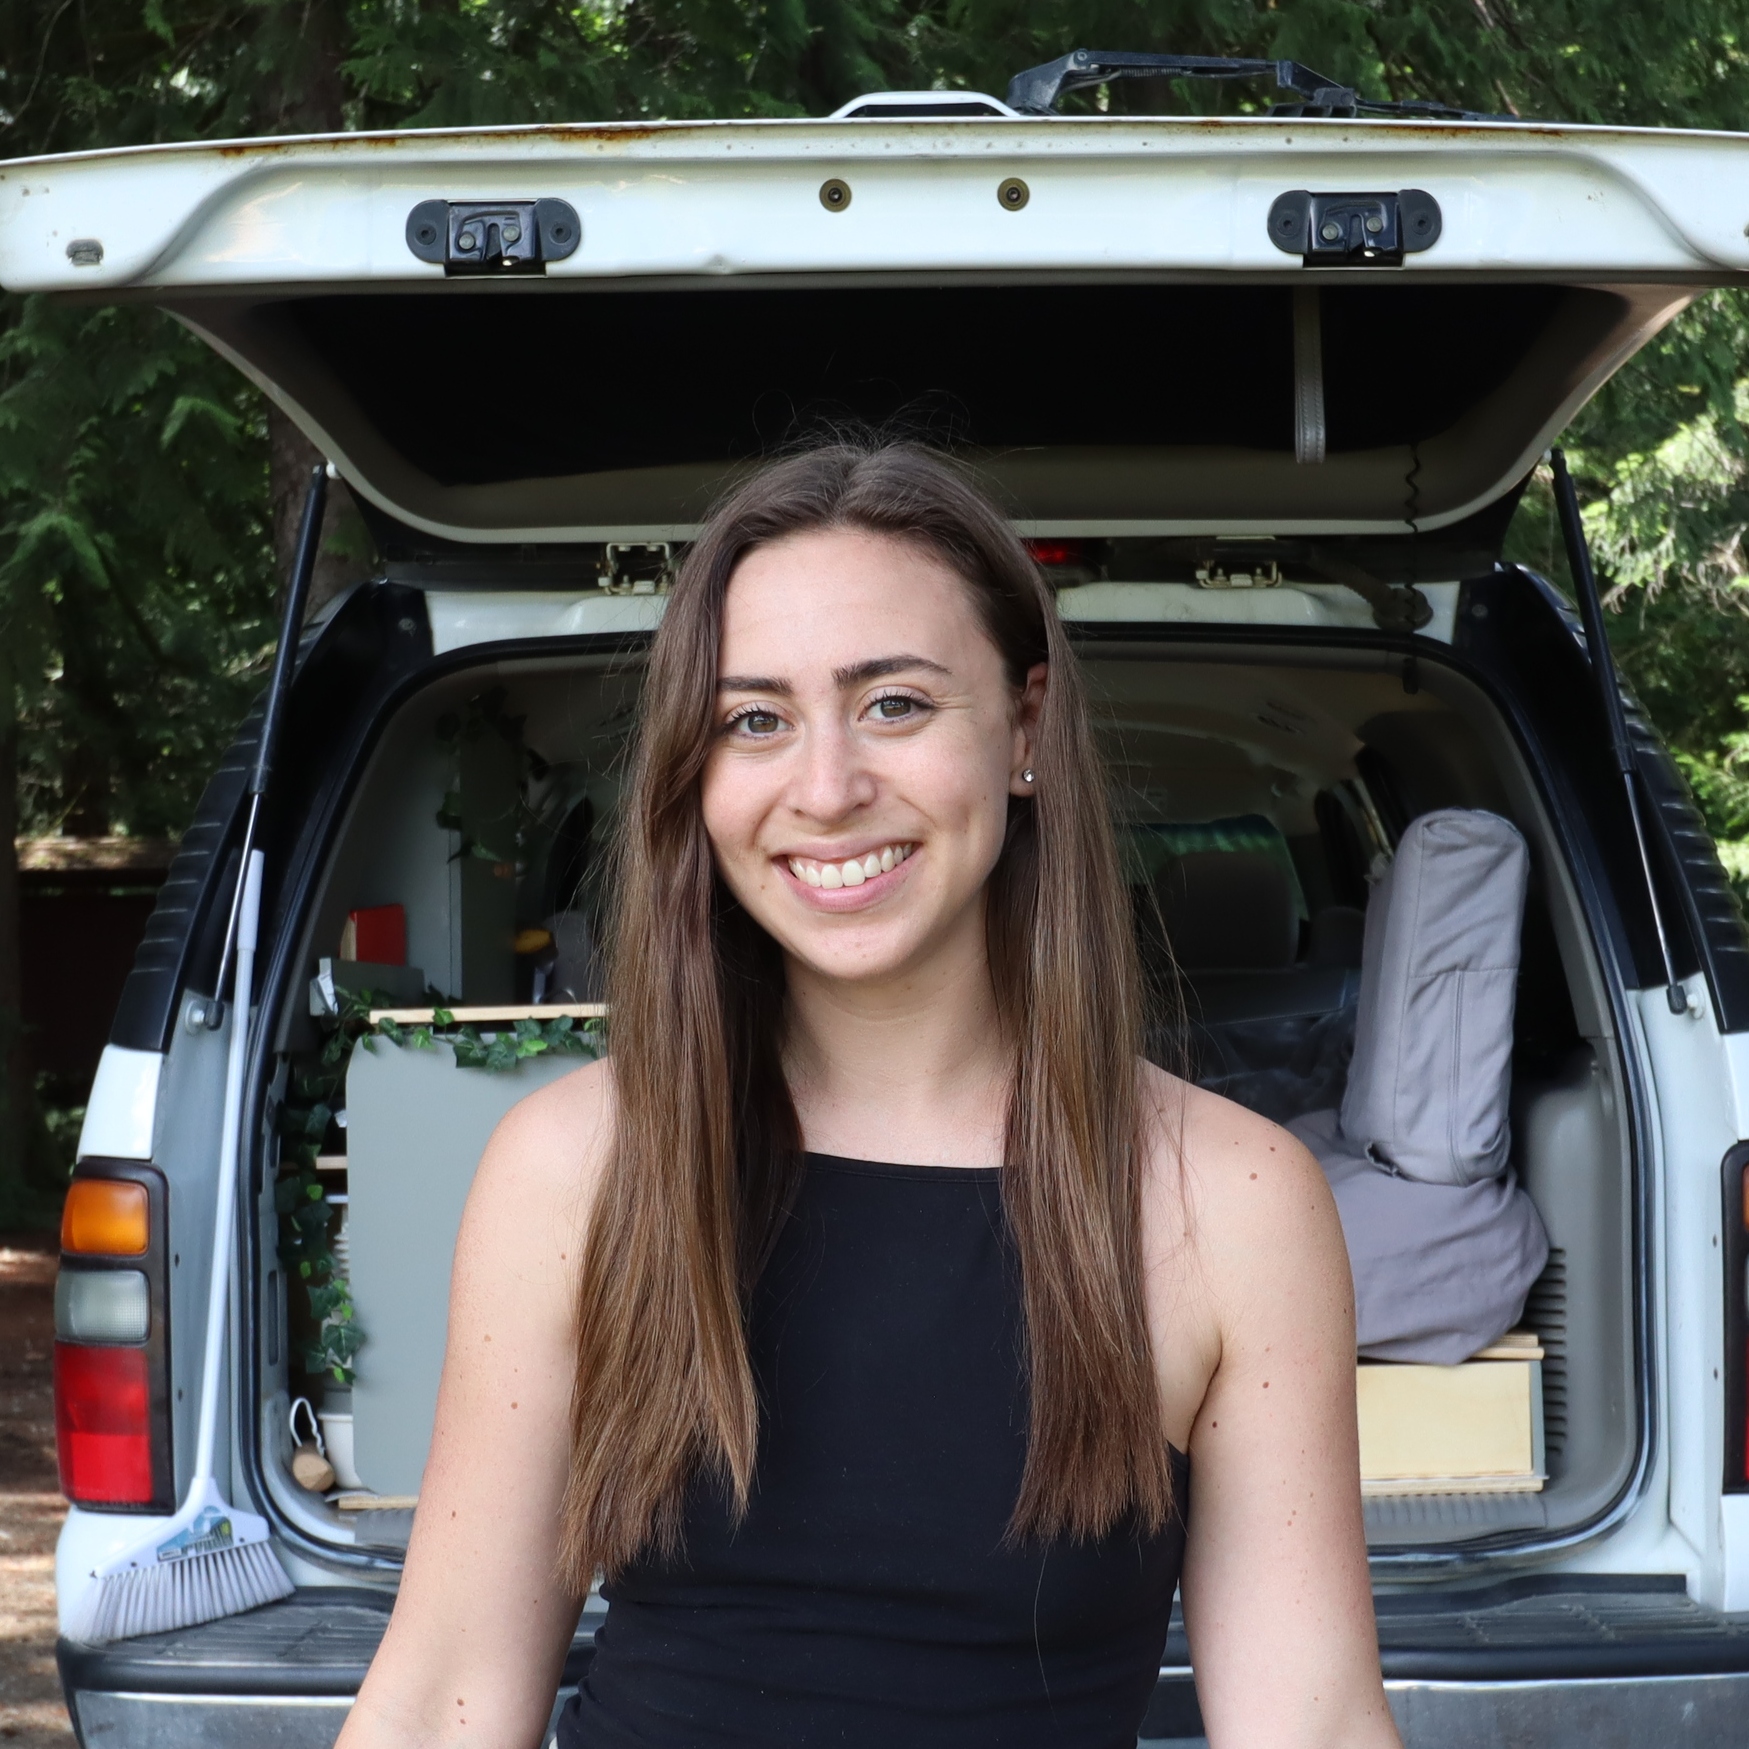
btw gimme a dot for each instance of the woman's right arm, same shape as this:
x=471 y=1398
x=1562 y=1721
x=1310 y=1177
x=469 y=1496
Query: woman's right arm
x=483 y=1620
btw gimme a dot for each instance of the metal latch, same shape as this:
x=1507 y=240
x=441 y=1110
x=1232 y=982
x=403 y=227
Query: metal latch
x=1264 y=576
x=493 y=236
x=636 y=567
x=1354 y=230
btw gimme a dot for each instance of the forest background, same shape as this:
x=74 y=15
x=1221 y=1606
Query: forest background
x=147 y=492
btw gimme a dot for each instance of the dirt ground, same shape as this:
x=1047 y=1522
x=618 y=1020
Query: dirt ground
x=31 y=1507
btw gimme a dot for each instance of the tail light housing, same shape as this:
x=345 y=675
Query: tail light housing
x=112 y=1347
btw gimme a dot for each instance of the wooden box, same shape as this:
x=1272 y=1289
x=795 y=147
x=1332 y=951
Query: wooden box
x=1470 y=1429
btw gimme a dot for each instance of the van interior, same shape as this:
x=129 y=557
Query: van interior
x=1257 y=788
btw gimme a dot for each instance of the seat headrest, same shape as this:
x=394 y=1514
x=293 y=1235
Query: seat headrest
x=1229 y=911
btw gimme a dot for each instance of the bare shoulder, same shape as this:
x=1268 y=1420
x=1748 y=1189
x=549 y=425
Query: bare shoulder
x=537 y=1177
x=1254 y=1203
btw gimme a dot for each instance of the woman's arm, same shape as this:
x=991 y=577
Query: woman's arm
x=483 y=1620
x=1277 y=1602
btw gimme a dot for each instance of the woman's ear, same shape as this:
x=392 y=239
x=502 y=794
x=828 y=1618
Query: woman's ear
x=1022 y=779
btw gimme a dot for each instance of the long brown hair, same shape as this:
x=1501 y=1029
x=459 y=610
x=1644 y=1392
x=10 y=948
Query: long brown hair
x=707 y=1151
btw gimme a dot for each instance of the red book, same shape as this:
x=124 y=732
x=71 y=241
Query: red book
x=377 y=935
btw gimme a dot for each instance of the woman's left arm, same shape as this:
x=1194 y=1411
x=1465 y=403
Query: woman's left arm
x=1277 y=1601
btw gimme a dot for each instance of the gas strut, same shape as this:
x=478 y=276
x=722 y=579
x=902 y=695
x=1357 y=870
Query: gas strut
x=1609 y=687
x=273 y=709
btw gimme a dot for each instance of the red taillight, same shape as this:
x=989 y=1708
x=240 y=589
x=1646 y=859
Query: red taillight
x=103 y=1425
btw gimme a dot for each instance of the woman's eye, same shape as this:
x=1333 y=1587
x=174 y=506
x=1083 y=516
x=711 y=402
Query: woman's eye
x=894 y=710
x=757 y=723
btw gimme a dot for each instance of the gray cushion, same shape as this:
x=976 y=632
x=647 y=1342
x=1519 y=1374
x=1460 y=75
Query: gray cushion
x=1432 y=1073
x=1440 y=1270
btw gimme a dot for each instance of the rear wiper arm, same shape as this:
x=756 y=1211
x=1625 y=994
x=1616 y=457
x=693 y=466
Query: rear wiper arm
x=1038 y=90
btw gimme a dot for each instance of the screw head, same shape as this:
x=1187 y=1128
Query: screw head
x=1329 y=230
x=1375 y=224
x=468 y=240
x=834 y=195
x=512 y=234
x=1013 y=194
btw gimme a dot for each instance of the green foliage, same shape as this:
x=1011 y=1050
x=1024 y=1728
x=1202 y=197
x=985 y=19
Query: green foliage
x=135 y=577
x=498 y=1050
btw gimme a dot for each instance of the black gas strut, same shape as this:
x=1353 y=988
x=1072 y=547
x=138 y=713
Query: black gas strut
x=1609 y=688
x=273 y=709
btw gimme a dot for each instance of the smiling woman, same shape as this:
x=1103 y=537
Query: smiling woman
x=860 y=1320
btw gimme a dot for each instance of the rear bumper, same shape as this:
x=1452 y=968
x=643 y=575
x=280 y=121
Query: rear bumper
x=1555 y=1662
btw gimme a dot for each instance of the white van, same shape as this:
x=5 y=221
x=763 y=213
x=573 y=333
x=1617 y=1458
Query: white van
x=1263 y=393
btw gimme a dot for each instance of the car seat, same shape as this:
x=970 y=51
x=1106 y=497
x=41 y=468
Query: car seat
x=1265 y=1027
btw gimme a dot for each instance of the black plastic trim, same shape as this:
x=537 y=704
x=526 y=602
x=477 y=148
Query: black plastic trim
x=1734 y=1254
x=1709 y=933
x=370 y=642
x=317 y=1643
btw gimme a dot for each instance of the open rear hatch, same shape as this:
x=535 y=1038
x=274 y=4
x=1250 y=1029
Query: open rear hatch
x=1166 y=327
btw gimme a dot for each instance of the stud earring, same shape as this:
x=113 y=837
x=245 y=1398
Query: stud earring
x=1026 y=776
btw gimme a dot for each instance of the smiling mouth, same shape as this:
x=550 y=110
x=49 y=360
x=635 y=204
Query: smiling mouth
x=854 y=871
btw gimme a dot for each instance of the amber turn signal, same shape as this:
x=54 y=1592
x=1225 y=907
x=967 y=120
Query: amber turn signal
x=105 y=1217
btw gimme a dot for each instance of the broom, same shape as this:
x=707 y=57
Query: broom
x=210 y=1560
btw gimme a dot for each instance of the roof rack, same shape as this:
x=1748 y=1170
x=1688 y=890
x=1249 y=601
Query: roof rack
x=1038 y=90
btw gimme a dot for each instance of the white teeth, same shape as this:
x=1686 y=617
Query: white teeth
x=853 y=872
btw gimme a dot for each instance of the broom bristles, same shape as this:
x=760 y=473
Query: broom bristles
x=180 y=1594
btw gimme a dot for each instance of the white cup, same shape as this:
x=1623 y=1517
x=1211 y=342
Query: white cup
x=337 y=1436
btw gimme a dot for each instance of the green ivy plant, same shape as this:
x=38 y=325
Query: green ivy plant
x=306 y=1218
x=305 y=1214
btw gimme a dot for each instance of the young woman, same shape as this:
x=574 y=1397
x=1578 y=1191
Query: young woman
x=865 y=1318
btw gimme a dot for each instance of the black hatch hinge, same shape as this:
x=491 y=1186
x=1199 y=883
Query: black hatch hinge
x=493 y=236
x=1354 y=230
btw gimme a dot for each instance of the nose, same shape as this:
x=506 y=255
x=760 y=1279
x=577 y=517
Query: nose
x=832 y=778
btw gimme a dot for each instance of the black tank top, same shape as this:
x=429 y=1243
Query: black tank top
x=867 y=1598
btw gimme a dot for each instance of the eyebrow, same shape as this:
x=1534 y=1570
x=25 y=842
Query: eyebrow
x=855 y=674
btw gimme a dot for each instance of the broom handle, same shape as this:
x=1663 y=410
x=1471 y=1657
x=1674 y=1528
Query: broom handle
x=225 y=1199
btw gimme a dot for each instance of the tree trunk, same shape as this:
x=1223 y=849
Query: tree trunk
x=309 y=98
x=344 y=557
x=15 y=1080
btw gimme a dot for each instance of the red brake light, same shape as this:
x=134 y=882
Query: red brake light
x=103 y=1425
